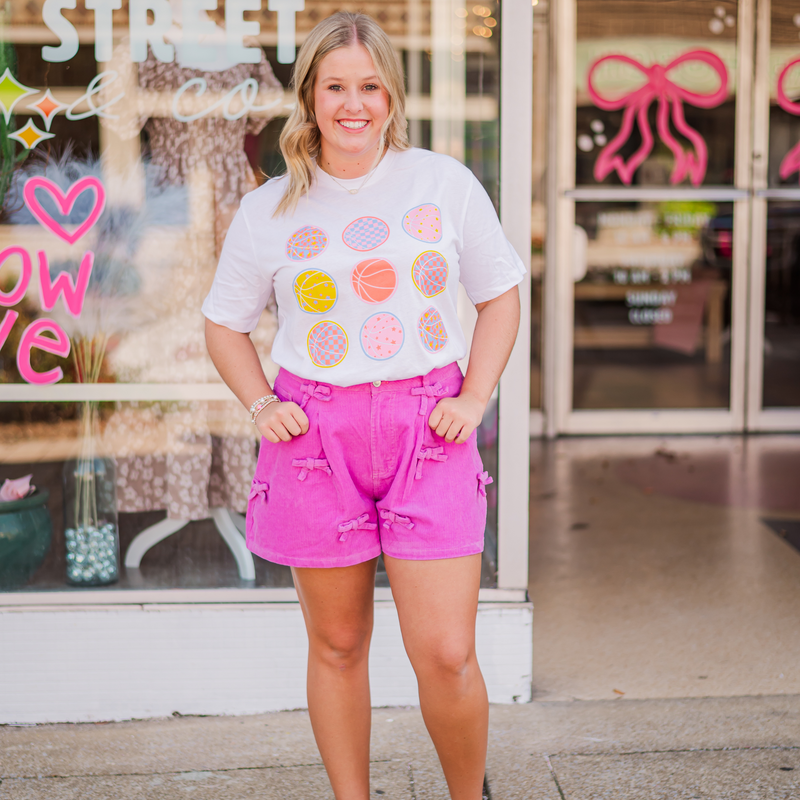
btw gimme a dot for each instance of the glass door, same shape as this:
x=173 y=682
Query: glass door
x=774 y=351
x=653 y=204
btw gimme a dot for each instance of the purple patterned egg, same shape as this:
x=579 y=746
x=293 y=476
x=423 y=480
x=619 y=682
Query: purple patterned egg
x=431 y=330
x=327 y=344
x=430 y=273
x=366 y=233
x=306 y=243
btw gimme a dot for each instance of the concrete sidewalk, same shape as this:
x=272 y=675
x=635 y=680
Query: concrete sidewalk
x=740 y=748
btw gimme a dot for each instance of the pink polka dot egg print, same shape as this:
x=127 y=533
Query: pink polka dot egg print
x=430 y=273
x=327 y=344
x=366 y=233
x=431 y=330
x=424 y=223
x=382 y=336
x=306 y=243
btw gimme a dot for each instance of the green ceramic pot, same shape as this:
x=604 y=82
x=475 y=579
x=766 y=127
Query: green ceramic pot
x=25 y=534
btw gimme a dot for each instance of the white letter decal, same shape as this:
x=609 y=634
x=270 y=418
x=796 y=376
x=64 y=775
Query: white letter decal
x=196 y=26
x=142 y=33
x=286 y=33
x=64 y=29
x=236 y=29
x=103 y=27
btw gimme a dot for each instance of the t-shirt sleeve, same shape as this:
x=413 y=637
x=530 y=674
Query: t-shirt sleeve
x=488 y=264
x=242 y=285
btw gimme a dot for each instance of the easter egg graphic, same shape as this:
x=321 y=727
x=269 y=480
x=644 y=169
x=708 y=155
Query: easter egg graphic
x=382 y=336
x=306 y=243
x=327 y=344
x=366 y=233
x=430 y=273
x=424 y=223
x=315 y=291
x=374 y=280
x=431 y=330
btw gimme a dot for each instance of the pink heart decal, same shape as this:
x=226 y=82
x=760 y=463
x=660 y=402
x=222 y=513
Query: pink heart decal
x=65 y=203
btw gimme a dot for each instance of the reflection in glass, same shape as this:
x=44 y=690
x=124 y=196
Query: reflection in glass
x=782 y=307
x=652 y=315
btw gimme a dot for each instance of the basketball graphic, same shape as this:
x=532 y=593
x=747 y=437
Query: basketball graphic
x=431 y=330
x=327 y=344
x=430 y=273
x=424 y=223
x=382 y=336
x=306 y=243
x=374 y=280
x=315 y=291
x=366 y=233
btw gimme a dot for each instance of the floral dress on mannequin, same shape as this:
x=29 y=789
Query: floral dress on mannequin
x=185 y=457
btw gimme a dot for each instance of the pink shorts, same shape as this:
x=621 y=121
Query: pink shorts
x=369 y=476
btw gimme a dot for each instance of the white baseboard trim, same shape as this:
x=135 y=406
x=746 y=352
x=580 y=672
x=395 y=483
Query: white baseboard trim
x=92 y=663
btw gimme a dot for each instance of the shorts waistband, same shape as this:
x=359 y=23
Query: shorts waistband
x=302 y=387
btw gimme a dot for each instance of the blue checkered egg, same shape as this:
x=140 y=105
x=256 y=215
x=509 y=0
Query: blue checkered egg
x=366 y=233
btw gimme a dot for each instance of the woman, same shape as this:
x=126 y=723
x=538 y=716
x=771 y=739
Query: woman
x=368 y=440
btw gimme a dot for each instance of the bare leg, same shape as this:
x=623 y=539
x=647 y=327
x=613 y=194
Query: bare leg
x=338 y=609
x=437 y=602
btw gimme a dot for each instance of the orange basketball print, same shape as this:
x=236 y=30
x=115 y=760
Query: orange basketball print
x=374 y=280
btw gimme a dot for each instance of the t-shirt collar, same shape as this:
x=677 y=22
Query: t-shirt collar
x=324 y=179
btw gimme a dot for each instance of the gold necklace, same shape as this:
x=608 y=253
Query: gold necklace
x=363 y=183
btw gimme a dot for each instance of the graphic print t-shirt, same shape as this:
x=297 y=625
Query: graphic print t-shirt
x=366 y=284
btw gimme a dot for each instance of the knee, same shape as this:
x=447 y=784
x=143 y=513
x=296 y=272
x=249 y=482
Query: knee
x=342 y=648
x=448 y=659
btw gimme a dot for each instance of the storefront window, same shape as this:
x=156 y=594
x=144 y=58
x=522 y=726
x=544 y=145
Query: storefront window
x=128 y=137
x=781 y=386
x=655 y=113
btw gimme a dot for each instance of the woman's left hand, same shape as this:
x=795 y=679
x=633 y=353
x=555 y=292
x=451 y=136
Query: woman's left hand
x=455 y=418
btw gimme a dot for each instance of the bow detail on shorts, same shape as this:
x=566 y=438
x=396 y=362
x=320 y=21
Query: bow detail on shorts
x=258 y=488
x=428 y=454
x=308 y=464
x=312 y=389
x=437 y=390
x=484 y=479
x=361 y=523
x=395 y=519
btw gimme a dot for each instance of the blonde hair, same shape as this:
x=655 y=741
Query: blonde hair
x=300 y=140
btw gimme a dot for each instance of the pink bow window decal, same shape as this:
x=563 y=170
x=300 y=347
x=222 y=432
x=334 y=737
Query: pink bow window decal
x=428 y=454
x=670 y=96
x=259 y=489
x=308 y=464
x=360 y=524
x=484 y=479
x=395 y=519
x=791 y=161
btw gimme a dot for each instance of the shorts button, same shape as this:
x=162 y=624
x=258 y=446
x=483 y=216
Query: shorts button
x=376 y=383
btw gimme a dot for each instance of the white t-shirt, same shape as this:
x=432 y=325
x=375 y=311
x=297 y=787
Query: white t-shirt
x=366 y=284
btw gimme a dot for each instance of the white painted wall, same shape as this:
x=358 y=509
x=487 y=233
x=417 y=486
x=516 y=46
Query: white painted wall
x=87 y=663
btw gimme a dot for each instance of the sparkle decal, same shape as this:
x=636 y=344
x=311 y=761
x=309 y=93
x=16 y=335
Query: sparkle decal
x=29 y=136
x=11 y=92
x=47 y=107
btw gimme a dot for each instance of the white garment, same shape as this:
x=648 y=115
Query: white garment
x=345 y=316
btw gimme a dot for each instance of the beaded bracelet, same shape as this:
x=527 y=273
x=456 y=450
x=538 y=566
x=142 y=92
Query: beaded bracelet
x=260 y=404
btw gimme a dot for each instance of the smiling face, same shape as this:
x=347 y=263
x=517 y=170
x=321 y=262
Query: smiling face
x=351 y=106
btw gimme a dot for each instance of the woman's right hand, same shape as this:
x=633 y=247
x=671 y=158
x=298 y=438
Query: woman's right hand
x=280 y=422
